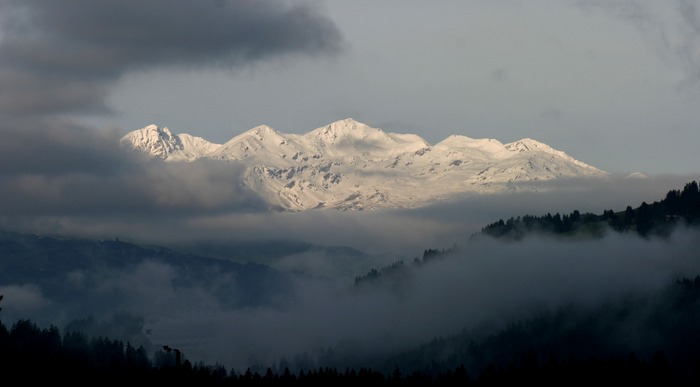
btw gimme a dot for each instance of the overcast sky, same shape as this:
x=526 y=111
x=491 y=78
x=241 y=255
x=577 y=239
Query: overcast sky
x=615 y=84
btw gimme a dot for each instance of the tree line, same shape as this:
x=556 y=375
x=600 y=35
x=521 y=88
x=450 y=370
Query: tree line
x=679 y=207
x=568 y=346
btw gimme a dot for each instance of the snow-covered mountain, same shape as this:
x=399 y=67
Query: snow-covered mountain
x=349 y=165
x=162 y=143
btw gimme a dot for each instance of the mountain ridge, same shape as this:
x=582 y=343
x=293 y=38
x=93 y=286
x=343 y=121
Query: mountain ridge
x=349 y=165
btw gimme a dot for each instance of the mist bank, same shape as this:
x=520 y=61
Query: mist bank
x=395 y=232
x=487 y=285
x=307 y=320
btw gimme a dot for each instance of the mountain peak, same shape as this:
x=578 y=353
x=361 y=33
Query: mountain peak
x=350 y=122
x=350 y=165
x=349 y=137
x=162 y=143
x=261 y=138
x=263 y=129
x=152 y=130
x=527 y=144
x=261 y=133
x=155 y=131
x=343 y=129
x=158 y=141
x=530 y=145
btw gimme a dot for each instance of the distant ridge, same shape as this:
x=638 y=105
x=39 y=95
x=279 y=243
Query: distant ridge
x=349 y=165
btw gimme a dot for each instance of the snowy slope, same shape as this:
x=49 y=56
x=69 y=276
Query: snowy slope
x=160 y=142
x=349 y=165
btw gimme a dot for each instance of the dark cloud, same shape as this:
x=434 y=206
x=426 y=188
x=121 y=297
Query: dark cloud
x=57 y=57
x=75 y=180
x=156 y=189
x=52 y=148
x=61 y=58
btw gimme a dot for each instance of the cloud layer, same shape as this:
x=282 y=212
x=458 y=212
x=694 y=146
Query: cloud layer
x=62 y=57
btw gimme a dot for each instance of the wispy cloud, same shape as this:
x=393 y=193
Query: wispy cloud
x=673 y=31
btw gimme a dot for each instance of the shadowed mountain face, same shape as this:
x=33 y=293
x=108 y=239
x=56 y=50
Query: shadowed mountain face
x=351 y=166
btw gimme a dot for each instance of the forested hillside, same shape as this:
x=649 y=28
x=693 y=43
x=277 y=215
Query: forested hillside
x=566 y=346
x=637 y=338
x=658 y=219
x=679 y=207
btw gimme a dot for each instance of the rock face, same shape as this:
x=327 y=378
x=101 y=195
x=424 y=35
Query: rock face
x=351 y=166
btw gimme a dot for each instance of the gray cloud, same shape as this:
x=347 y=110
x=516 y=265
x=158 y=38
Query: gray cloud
x=75 y=180
x=50 y=148
x=58 y=57
x=552 y=113
x=160 y=202
x=689 y=47
x=61 y=58
x=674 y=35
x=499 y=74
